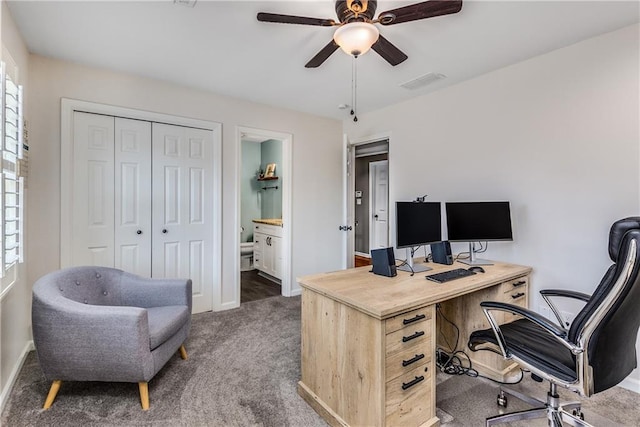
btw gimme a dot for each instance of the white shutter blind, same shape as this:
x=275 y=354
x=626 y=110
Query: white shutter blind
x=11 y=184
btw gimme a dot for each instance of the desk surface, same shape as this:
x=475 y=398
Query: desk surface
x=383 y=297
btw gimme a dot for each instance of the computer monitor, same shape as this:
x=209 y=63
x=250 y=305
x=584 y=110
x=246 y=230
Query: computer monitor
x=478 y=221
x=417 y=224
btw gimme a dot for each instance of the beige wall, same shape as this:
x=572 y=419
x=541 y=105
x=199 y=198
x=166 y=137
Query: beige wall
x=15 y=304
x=316 y=151
x=557 y=135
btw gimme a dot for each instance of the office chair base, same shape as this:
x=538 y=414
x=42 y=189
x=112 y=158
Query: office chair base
x=558 y=415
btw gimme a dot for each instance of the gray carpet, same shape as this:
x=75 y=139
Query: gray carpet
x=243 y=368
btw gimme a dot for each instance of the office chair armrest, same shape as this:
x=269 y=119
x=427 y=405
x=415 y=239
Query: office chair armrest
x=565 y=293
x=562 y=293
x=527 y=314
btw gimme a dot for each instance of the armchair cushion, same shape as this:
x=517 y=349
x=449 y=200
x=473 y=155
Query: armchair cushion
x=164 y=322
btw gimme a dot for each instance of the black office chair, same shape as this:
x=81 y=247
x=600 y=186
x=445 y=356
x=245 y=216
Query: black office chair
x=595 y=353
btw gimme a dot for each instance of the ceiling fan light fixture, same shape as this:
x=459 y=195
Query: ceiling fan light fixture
x=356 y=38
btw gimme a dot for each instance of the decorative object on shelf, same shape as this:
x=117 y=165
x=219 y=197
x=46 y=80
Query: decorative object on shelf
x=271 y=171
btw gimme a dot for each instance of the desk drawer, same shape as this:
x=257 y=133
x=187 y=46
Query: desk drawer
x=407 y=319
x=516 y=285
x=408 y=398
x=412 y=357
x=515 y=292
x=404 y=340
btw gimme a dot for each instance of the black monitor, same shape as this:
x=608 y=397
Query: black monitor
x=478 y=221
x=417 y=224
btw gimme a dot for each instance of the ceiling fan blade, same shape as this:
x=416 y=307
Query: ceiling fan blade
x=427 y=9
x=290 y=19
x=389 y=51
x=323 y=55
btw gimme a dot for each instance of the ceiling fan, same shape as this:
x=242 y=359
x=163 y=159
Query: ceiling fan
x=356 y=32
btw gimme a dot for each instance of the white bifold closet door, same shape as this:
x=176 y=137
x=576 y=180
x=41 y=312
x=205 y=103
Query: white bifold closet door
x=183 y=208
x=143 y=199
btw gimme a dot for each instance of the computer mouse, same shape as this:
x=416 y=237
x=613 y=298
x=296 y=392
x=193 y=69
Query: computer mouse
x=476 y=269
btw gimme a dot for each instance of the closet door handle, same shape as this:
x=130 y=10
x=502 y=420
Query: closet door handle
x=164 y=231
x=139 y=232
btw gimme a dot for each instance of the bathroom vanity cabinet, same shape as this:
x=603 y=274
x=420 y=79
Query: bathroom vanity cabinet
x=267 y=249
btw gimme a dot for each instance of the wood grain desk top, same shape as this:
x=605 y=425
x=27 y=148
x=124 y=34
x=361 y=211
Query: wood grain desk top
x=383 y=297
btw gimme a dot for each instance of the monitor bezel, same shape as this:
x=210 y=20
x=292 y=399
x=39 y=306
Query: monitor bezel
x=484 y=239
x=404 y=246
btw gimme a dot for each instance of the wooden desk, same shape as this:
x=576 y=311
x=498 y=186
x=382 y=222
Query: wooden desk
x=368 y=341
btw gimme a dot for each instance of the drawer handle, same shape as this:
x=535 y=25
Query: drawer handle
x=414 y=336
x=518 y=295
x=520 y=283
x=413 y=319
x=412 y=382
x=412 y=360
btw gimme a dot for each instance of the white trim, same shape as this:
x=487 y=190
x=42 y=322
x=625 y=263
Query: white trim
x=632 y=384
x=349 y=184
x=287 y=165
x=13 y=376
x=68 y=106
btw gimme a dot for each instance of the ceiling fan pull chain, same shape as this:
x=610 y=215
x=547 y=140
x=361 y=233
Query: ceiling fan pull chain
x=352 y=84
x=354 y=89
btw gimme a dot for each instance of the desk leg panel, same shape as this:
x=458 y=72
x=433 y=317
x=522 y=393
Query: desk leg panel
x=342 y=354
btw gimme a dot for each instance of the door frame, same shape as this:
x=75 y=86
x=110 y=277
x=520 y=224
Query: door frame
x=287 y=166
x=349 y=184
x=68 y=106
x=372 y=199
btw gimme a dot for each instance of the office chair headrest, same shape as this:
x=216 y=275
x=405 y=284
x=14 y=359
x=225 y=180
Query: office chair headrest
x=618 y=230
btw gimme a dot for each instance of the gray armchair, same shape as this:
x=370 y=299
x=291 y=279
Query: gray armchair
x=103 y=324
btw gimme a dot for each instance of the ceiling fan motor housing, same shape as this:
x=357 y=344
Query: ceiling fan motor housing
x=347 y=10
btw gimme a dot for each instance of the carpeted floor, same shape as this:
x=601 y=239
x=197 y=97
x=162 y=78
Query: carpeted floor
x=243 y=368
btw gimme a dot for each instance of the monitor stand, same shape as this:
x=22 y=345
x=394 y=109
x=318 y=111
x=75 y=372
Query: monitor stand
x=472 y=258
x=410 y=267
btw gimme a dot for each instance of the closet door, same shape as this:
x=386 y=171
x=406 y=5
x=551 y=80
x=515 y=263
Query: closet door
x=93 y=190
x=182 y=206
x=133 y=196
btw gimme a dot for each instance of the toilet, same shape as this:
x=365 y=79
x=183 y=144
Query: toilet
x=246 y=256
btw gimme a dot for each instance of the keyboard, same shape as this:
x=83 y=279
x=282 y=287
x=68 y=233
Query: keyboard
x=445 y=276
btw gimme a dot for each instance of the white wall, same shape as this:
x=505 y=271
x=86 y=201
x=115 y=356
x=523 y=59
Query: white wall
x=557 y=135
x=15 y=303
x=316 y=151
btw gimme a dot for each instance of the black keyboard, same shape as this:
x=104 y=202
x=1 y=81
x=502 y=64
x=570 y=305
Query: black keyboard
x=445 y=276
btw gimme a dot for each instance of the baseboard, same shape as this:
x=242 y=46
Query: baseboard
x=14 y=375
x=632 y=384
x=296 y=292
x=228 y=305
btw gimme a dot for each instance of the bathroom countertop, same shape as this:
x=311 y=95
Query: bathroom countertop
x=275 y=221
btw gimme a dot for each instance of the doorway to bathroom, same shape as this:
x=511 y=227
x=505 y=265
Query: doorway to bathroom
x=264 y=184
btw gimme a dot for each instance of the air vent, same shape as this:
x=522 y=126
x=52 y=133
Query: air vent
x=422 y=81
x=187 y=3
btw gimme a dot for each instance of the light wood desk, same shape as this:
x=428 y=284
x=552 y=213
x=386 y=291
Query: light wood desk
x=368 y=341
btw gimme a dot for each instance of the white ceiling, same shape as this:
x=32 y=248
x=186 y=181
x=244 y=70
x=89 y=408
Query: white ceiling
x=219 y=46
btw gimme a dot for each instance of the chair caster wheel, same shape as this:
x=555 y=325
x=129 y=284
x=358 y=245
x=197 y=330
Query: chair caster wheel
x=578 y=414
x=502 y=400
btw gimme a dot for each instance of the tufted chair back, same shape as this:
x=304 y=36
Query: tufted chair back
x=89 y=285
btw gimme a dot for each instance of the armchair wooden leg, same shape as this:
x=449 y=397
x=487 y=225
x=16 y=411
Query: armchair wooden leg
x=53 y=391
x=183 y=352
x=144 y=394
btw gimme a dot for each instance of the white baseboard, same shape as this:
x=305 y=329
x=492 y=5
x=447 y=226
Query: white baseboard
x=632 y=384
x=296 y=292
x=229 y=305
x=14 y=375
